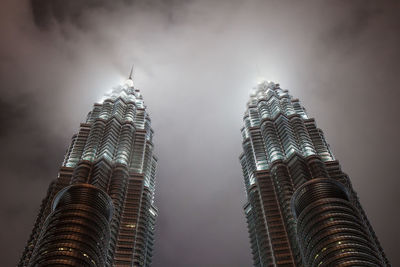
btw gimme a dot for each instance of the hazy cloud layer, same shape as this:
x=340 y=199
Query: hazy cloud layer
x=196 y=62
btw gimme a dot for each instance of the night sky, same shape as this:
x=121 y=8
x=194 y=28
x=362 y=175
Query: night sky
x=196 y=63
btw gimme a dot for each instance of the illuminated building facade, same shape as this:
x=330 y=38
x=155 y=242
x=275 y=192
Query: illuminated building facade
x=99 y=211
x=301 y=208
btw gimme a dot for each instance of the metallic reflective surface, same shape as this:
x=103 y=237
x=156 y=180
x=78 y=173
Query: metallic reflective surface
x=330 y=230
x=77 y=230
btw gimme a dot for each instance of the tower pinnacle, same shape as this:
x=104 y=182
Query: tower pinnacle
x=130 y=75
x=129 y=82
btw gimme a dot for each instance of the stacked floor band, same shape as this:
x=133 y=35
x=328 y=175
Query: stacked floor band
x=330 y=230
x=77 y=231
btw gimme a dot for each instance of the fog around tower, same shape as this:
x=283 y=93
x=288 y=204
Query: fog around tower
x=195 y=64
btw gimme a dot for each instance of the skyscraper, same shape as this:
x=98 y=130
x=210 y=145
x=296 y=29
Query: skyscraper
x=301 y=208
x=99 y=211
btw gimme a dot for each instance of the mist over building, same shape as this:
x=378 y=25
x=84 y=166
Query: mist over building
x=100 y=210
x=196 y=61
x=301 y=209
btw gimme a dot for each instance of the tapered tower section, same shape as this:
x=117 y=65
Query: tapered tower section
x=100 y=211
x=301 y=209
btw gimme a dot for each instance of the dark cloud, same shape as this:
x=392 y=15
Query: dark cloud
x=351 y=27
x=46 y=13
x=195 y=63
x=10 y=115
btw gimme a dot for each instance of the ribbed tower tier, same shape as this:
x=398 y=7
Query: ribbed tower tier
x=330 y=229
x=77 y=232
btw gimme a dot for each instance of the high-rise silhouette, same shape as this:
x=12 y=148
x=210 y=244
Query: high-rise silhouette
x=99 y=211
x=301 y=209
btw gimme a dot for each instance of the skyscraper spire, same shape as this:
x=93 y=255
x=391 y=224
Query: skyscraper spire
x=129 y=82
x=130 y=75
